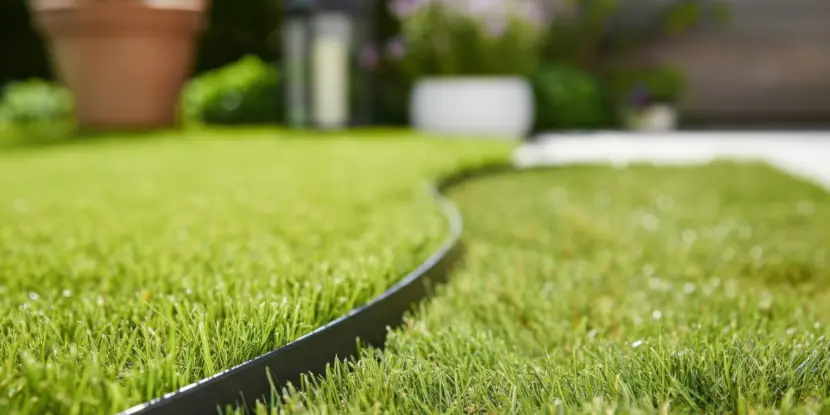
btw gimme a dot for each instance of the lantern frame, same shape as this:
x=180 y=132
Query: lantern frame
x=305 y=22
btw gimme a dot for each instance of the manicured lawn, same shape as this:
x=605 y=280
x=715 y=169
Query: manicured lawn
x=643 y=289
x=131 y=268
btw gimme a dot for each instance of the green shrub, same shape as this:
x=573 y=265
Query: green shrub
x=569 y=98
x=244 y=92
x=35 y=101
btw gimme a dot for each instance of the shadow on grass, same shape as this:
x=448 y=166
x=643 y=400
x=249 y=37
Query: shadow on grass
x=40 y=136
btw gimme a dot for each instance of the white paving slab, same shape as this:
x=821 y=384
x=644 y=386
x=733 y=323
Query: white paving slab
x=805 y=154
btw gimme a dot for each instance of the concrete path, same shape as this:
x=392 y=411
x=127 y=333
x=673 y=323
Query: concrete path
x=805 y=154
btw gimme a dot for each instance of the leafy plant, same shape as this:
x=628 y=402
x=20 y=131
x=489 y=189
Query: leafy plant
x=244 y=92
x=35 y=101
x=454 y=37
x=569 y=98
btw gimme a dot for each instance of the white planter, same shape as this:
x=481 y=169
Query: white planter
x=475 y=106
x=654 y=118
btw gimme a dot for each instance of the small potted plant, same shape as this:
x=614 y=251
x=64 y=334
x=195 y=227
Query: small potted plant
x=650 y=99
x=469 y=63
x=123 y=60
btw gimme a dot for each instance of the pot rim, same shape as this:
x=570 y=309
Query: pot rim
x=112 y=19
x=471 y=79
x=77 y=5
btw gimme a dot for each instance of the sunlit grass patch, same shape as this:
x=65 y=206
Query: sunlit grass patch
x=596 y=289
x=132 y=267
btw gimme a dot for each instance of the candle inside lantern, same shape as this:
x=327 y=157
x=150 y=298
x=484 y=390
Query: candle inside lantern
x=330 y=53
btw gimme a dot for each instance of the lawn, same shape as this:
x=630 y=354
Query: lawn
x=594 y=289
x=130 y=268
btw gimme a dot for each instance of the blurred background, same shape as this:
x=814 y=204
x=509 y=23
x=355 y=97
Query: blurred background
x=589 y=64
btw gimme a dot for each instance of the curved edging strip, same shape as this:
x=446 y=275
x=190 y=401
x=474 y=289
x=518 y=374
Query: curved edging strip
x=245 y=384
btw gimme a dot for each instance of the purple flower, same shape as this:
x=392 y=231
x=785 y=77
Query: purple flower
x=369 y=57
x=639 y=97
x=395 y=48
x=533 y=11
x=485 y=7
x=403 y=9
x=496 y=26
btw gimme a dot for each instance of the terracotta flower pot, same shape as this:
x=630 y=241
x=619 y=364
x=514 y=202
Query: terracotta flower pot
x=124 y=60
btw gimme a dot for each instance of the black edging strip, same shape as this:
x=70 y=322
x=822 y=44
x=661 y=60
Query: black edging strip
x=244 y=384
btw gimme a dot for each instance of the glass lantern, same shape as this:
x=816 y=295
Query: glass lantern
x=325 y=86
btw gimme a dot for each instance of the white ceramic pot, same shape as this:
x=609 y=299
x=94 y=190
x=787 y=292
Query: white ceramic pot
x=475 y=106
x=654 y=118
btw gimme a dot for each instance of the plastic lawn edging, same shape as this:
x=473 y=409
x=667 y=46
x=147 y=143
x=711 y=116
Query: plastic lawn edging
x=340 y=339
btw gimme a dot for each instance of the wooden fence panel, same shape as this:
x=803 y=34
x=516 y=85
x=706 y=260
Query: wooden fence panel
x=770 y=62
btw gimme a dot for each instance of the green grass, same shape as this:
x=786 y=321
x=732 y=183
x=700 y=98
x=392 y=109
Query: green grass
x=635 y=290
x=131 y=268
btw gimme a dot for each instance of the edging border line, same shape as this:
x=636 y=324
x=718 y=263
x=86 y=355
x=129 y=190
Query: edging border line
x=248 y=382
